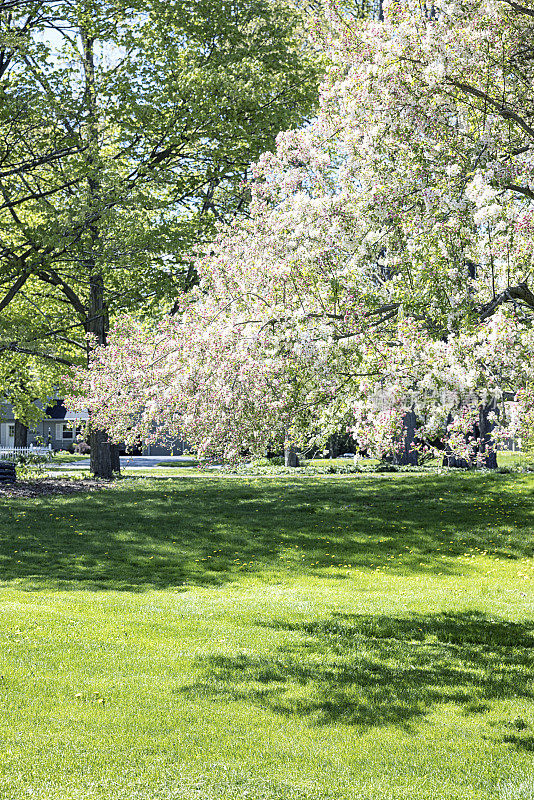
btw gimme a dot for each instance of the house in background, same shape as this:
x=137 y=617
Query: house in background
x=59 y=429
x=7 y=432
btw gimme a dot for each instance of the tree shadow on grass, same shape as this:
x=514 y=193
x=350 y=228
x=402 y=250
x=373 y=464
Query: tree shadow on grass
x=176 y=532
x=372 y=671
x=522 y=742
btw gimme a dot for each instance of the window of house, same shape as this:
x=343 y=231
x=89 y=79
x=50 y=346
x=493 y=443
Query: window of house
x=11 y=431
x=68 y=432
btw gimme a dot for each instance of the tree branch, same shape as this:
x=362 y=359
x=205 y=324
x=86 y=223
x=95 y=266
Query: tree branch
x=520 y=292
x=38 y=195
x=19 y=283
x=506 y=113
x=524 y=190
x=24 y=166
x=521 y=9
x=13 y=347
x=54 y=279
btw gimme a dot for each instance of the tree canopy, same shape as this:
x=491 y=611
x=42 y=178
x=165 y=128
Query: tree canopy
x=127 y=132
x=389 y=253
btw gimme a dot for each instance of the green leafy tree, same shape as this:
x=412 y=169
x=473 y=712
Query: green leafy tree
x=128 y=129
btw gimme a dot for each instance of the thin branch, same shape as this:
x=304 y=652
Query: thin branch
x=38 y=195
x=24 y=166
x=13 y=347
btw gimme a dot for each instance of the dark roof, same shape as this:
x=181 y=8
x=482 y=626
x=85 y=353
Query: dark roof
x=57 y=411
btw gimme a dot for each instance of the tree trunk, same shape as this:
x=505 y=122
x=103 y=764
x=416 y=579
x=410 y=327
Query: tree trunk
x=104 y=456
x=481 y=432
x=408 y=456
x=452 y=461
x=115 y=459
x=21 y=434
x=485 y=427
x=101 y=464
x=290 y=456
x=332 y=446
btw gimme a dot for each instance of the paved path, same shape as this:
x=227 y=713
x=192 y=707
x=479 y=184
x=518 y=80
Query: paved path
x=133 y=462
x=151 y=462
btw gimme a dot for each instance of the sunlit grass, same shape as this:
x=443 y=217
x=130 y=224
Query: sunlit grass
x=64 y=457
x=361 y=637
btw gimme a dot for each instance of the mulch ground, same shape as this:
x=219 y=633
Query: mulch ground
x=50 y=486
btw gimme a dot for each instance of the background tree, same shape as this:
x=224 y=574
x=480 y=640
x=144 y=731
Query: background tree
x=129 y=131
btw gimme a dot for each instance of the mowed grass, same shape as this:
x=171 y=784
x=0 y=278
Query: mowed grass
x=349 y=637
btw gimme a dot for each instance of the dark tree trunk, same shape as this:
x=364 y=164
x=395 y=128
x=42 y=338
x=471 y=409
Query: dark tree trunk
x=408 y=456
x=115 y=459
x=481 y=447
x=332 y=445
x=21 y=434
x=104 y=456
x=485 y=427
x=290 y=456
x=101 y=464
x=451 y=461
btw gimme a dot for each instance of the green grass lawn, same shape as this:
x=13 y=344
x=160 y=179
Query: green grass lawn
x=366 y=637
x=67 y=458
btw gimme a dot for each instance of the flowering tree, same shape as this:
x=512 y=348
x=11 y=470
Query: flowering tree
x=388 y=253
x=456 y=389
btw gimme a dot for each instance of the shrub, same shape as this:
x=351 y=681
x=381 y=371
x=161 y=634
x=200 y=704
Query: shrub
x=82 y=448
x=261 y=462
x=386 y=468
x=31 y=459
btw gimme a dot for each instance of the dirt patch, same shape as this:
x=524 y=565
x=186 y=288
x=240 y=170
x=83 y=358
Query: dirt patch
x=50 y=486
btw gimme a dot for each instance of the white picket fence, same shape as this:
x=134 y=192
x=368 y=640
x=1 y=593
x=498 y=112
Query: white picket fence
x=12 y=453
